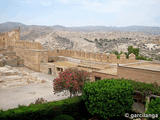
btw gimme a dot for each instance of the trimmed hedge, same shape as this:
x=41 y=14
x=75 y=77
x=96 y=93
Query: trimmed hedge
x=108 y=98
x=154 y=108
x=74 y=107
x=64 y=117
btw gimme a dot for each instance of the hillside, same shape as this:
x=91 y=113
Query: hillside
x=92 y=38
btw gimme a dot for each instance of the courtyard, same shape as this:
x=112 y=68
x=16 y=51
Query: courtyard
x=22 y=86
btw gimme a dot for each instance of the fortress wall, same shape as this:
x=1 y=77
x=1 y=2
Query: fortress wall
x=141 y=75
x=12 y=39
x=99 y=57
x=9 y=38
x=32 y=58
x=112 y=58
x=132 y=58
x=124 y=60
x=92 y=56
x=28 y=45
x=51 y=53
x=43 y=56
x=2 y=41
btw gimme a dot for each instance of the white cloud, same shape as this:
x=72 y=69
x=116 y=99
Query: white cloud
x=44 y=3
x=107 y=12
x=126 y=12
x=109 y=6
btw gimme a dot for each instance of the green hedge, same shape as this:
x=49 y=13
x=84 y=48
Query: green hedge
x=108 y=98
x=143 y=58
x=48 y=111
x=154 y=108
x=145 y=88
x=63 y=117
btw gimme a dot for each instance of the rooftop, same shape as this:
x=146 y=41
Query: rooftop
x=112 y=71
x=146 y=66
x=65 y=64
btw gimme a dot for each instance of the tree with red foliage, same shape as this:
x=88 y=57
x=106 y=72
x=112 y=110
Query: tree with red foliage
x=72 y=80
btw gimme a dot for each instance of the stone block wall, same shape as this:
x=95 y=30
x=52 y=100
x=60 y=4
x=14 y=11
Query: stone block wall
x=9 y=38
x=32 y=58
x=97 y=57
x=2 y=40
x=12 y=39
x=102 y=76
x=44 y=68
x=141 y=75
x=10 y=58
x=33 y=54
x=28 y=45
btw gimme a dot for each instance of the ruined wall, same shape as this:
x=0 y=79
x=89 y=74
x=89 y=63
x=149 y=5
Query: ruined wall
x=142 y=75
x=99 y=57
x=32 y=58
x=2 y=40
x=44 y=68
x=28 y=45
x=12 y=39
x=9 y=38
x=28 y=51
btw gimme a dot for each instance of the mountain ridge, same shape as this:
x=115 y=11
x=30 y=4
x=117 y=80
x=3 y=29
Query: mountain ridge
x=91 y=38
x=134 y=28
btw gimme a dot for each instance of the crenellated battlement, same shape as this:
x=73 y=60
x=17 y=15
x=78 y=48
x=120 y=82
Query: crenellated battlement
x=9 y=38
x=33 y=53
x=100 y=65
x=98 y=57
x=12 y=39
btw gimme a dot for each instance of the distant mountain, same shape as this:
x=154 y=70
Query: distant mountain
x=10 y=25
x=91 y=38
x=146 y=29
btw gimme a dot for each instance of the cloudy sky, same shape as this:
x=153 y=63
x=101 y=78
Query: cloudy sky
x=81 y=12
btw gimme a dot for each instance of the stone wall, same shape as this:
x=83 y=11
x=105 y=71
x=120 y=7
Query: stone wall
x=32 y=53
x=32 y=58
x=44 y=68
x=142 y=75
x=12 y=39
x=2 y=40
x=9 y=38
x=99 y=57
x=102 y=75
x=28 y=45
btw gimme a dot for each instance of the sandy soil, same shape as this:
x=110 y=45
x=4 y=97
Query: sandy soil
x=16 y=90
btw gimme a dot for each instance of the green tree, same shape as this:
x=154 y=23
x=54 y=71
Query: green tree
x=135 y=51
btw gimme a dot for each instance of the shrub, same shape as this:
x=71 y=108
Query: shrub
x=154 y=108
x=72 y=80
x=143 y=58
x=108 y=98
x=145 y=88
x=72 y=106
x=64 y=117
x=117 y=54
x=39 y=101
